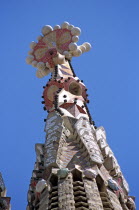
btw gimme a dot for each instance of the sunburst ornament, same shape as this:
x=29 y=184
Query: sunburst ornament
x=54 y=46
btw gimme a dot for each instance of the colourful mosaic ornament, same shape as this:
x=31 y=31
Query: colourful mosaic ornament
x=55 y=41
x=75 y=167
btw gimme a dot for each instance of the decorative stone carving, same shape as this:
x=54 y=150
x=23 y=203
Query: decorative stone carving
x=92 y=194
x=41 y=185
x=65 y=192
x=63 y=173
x=75 y=168
x=90 y=173
x=85 y=133
x=4 y=201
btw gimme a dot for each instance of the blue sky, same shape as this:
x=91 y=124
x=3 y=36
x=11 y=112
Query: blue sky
x=110 y=71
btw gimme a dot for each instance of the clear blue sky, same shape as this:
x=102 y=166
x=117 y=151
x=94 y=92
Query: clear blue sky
x=110 y=71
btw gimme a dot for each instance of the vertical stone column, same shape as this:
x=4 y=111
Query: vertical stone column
x=114 y=200
x=87 y=137
x=92 y=194
x=44 y=200
x=53 y=129
x=65 y=193
x=4 y=201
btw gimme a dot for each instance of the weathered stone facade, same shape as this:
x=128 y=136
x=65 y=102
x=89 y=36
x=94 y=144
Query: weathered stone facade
x=4 y=201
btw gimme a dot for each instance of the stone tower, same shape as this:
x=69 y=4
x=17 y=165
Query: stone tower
x=75 y=168
x=4 y=201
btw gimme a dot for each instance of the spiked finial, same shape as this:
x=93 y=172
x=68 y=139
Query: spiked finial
x=54 y=46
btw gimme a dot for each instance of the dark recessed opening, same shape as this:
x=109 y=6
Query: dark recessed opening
x=77 y=176
x=54 y=180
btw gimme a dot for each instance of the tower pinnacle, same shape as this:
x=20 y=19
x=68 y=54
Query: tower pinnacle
x=4 y=201
x=75 y=168
x=54 y=47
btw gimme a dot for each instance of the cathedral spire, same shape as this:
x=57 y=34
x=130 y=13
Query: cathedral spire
x=75 y=168
x=4 y=201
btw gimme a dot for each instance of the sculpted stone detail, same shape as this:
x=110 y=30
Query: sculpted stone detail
x=4 y=200
x=92 y=194
x=75 y=168
x=110 y=161
x=54 y=138
x=86 y=135
x=114 y=200
x=65 y=192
